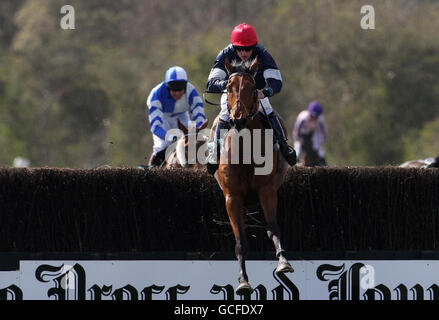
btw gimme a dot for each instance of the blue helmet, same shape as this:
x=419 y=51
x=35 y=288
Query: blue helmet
x=176 y=78
x=315 y=109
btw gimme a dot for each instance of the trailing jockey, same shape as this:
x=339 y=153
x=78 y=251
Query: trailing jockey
x=172 y=100
x=310 y=122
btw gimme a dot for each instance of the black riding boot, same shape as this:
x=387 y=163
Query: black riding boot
x=288 y=152
x=157 y=159
x=212 y=158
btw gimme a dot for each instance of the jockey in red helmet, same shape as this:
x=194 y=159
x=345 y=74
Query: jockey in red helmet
x=244 y=46
x=244 y=35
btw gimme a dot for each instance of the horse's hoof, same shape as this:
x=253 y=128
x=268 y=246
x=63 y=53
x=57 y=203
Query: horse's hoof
x=284 y=267
x=244 y=288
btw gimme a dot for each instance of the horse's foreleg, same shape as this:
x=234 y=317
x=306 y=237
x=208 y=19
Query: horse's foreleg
x=234 y=206
x=268 y=200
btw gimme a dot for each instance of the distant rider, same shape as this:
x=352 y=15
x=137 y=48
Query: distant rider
x=310 y=122
x=170 y=101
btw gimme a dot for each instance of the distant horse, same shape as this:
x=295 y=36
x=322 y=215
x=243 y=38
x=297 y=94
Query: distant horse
x=426 y=163
x=309 y=157
x=239 y=182
x=180 y=157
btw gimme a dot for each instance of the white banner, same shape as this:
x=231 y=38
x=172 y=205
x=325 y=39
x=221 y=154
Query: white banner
x=216 y=280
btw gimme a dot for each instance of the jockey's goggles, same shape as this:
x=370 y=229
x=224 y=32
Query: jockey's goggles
x=242 y=48
x=176 y=85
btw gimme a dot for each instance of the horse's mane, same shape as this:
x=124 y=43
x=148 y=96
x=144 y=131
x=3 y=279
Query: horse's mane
x=241 y=66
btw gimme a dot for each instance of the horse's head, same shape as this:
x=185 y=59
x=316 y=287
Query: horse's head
x=185 y=158
x=242 y=96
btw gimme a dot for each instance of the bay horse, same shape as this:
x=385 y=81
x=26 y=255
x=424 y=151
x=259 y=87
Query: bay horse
x=238 y=181
x=181 y=157
x=309 y=157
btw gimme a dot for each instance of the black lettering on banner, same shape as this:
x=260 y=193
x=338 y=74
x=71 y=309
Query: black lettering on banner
x=13 y=291
x=261 y=292
x=401 y=292
x=97 y=292
x=347 y=286
x=354 y=281
x=173 y=292
x=434 y=292
x=326 y=270
x=382 y=291
x=285 y=286
x=69 y=284
x=337 y=288
x=227 y=291
x=147 y=292
x=129 y=291
x=418 y=292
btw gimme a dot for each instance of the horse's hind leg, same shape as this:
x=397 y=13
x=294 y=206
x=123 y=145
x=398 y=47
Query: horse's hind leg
x=234 y=206
x=268 y=200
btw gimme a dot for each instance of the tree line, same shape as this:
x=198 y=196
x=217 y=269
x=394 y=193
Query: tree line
x=76 y=98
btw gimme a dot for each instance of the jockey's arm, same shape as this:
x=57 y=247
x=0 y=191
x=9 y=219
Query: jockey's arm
x=271 y=75
x=196 y=106
x=155 y=115
x=273 y=86
x=216 y=81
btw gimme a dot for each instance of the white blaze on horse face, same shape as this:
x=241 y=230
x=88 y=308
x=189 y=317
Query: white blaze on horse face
x=267 y=158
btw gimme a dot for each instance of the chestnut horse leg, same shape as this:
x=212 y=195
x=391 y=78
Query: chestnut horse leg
x=235 y=207
x=268 y=200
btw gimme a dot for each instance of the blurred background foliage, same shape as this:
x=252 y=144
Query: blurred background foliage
x=76 y=98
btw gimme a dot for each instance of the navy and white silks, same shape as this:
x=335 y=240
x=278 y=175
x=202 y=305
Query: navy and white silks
x=268 y=75
x=164 y=112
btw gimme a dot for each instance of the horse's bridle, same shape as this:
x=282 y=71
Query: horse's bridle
x=254 y=109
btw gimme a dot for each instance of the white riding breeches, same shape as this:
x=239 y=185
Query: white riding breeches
x=159 y=144
x=225 y=116
x=168 y=123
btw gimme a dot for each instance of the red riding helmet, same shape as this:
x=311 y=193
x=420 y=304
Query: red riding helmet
x=244 y=35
